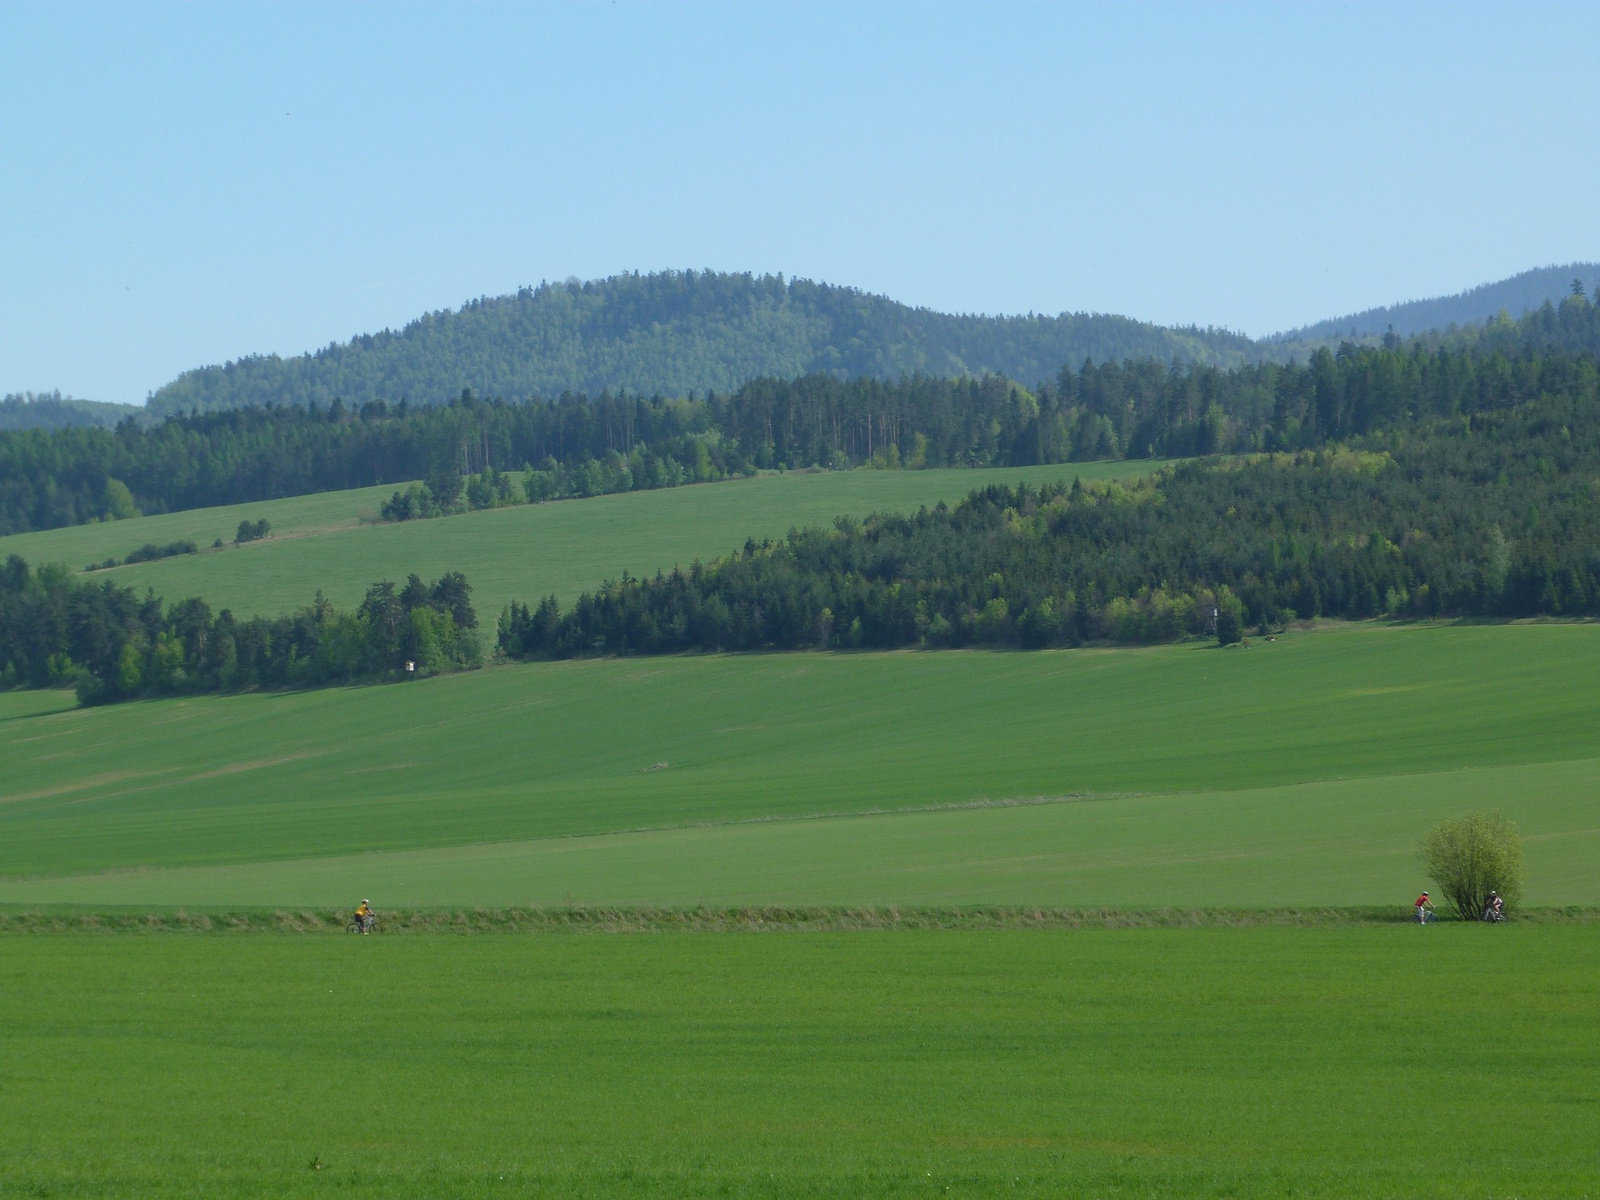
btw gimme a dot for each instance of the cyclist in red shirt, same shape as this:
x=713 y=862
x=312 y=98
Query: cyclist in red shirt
x=1424 y=909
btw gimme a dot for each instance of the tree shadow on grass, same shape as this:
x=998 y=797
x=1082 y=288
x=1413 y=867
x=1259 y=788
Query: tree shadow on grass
x=48 y=712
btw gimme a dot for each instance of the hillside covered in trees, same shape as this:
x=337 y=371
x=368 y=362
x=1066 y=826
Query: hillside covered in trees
x=577 y=445
x=1411 y=479
x=676 y=333
x=52 y=410
x=1493 y=512
x=1516 y=297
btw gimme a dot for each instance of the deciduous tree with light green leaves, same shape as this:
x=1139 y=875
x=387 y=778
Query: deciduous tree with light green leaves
x=1471 y=856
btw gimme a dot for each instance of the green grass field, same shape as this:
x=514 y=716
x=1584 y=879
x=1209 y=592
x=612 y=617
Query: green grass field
x=1319 y=1061
x=524 y=552
x=1302 y=771
x=1159 y=1063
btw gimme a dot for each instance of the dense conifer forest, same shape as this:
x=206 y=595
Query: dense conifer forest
x=1492 y=511
x=511 y=452
x=52 y=410
x=677 y=332
x=57 y=629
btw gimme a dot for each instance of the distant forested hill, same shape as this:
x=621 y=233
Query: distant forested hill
x=679 y=332
x=1516 y=296
x=576 y=445
x=52 y=410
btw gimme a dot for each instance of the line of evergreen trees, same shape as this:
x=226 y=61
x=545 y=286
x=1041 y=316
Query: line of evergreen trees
x=1493 y=513
x=149 y=552
x=113 y=644
x=1572 y=327
x=705 y=458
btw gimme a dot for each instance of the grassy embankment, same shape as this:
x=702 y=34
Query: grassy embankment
x=523 y=552
x=1298 y=772
x=1160 y=1063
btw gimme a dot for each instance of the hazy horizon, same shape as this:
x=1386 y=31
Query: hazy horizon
x=1336 y=318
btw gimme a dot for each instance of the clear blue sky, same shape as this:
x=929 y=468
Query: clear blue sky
x=185 y=184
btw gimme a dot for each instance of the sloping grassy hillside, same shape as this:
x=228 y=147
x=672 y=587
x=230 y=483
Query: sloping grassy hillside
x=1298 y=771
x=294 y=516
x=1305 y=845
x=525 y=552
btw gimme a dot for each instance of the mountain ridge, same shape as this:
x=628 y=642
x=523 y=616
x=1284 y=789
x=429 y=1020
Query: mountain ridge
x=1515 y=295
x=692 y=332
x=673 y=333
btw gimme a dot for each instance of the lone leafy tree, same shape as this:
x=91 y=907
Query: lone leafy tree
x=1471 y=856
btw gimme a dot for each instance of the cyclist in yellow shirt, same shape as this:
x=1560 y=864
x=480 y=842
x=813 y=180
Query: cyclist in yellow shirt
x=364 y=917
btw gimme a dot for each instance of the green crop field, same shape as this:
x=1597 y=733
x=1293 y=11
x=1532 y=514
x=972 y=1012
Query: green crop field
x=524 y=552
x=1300 y=771
x=1374 y=1062
x=1367 y=1060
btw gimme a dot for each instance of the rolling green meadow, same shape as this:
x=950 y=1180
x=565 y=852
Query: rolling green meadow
x=1299 y=771
x=521 y=552
x=1323 y=1057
